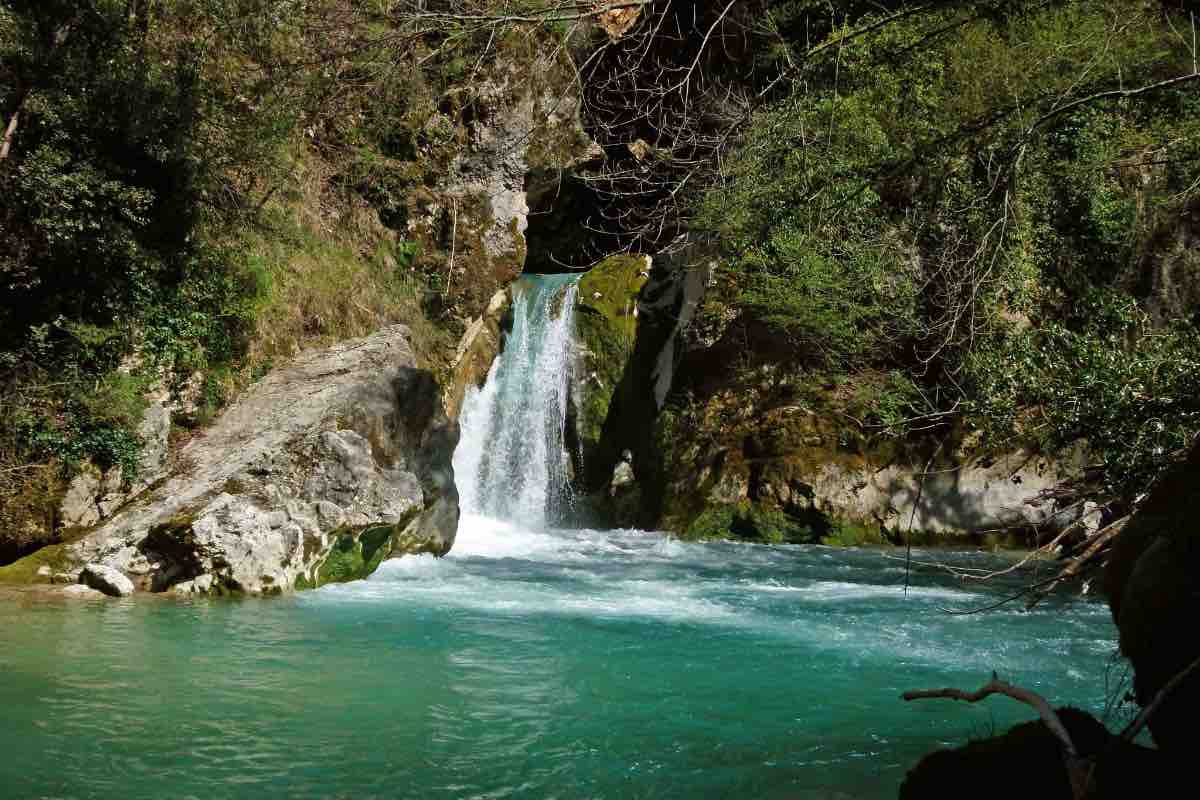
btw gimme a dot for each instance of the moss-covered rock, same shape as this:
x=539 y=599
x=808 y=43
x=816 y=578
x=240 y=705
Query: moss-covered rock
x=753 y=523
x=29 y=501
x=762 y=438
x=606 y=326
x=353 y=556
x=38 y=567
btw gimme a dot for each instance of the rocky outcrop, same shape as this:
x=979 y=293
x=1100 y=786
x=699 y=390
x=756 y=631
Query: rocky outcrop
x=631 y=319
x=317 y=473
x=477 y=349
x=816 y=481
x=606 y=318
x=519 y=119
x=94 y=494
x=1153 y=585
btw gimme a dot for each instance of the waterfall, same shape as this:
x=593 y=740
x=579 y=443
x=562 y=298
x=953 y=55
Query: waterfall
x=510 y=461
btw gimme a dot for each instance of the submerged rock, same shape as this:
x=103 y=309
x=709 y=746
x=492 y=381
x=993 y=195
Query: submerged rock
x=80 y=590
x=338 y=446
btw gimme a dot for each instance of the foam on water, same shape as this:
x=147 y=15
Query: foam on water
x=534 y=663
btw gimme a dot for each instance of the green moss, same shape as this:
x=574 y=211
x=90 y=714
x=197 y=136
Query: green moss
x=611 y=289
x=607 y=325
x=25 y=570
x=851 y=534
x=354 y=556
x=749 y=522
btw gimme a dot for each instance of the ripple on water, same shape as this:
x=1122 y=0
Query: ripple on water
x=531 y=664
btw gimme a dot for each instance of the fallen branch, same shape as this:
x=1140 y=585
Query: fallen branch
x=1096 y=547
x=1078 y=769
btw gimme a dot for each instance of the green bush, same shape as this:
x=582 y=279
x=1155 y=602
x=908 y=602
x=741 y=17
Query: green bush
x=1131 y=392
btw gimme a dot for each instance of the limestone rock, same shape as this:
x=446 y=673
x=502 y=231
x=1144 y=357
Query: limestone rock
x=477 y=349
x=78 y=590
x=342 y=445
x=106 y=579
x=93 y=495
x=731 y=450
x=518 y=121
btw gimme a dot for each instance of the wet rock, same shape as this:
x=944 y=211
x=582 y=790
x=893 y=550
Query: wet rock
x=106 y=579
x=476 y=351
x=78 y=590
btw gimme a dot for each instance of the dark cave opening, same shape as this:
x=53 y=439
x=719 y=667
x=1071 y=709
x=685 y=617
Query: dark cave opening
x=564 y=233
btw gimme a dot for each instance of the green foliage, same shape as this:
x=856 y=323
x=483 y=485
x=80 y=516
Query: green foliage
x=1130 y=391
x=748 y=522
x=824 y=270
x=924 y=187
x=159 y=200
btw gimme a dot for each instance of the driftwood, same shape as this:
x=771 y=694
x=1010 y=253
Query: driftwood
x=1079 y=769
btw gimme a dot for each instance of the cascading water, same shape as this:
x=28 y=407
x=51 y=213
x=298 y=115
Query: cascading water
x=510 y=462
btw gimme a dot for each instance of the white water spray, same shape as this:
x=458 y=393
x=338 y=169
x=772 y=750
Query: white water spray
x=510 y=462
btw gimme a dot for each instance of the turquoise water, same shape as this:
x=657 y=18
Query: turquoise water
x=570 y=665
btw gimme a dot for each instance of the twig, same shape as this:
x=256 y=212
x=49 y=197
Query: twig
x=1140 y=721
x=453 y=242
x=1078 y=769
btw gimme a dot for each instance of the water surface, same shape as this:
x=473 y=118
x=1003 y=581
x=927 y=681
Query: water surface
x=526 y=664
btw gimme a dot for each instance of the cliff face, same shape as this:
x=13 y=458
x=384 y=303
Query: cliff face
x=323 y=469
x=489 y=144
x=704 y=448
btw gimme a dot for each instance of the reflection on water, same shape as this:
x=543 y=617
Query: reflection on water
x=528 y=664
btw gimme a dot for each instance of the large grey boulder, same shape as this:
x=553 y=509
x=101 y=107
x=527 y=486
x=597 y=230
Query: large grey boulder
x=105 y=579
x=283 y=489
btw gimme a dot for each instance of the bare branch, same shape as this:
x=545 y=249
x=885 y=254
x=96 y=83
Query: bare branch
x=1135 y=727
x=1078 y=769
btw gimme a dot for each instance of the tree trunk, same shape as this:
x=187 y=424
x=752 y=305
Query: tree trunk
x=10 y=131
